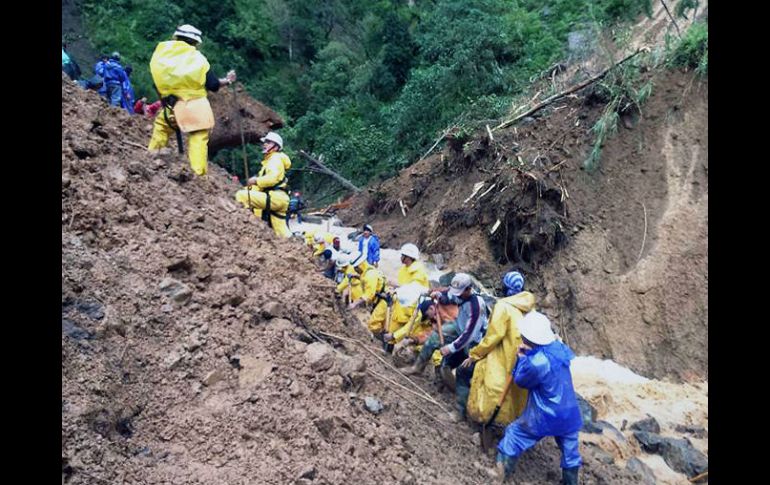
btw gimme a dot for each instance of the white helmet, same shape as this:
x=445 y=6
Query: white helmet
x=189 y=32
x=273 y=137
x=411 y=251
x=319 y=238
x=536 y=328
x=342 y=261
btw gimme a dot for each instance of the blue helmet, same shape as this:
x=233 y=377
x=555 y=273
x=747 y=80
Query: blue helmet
x=424 y=307
x=513 y=283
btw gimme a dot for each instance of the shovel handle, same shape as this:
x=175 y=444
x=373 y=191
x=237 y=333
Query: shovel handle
x=438 y=323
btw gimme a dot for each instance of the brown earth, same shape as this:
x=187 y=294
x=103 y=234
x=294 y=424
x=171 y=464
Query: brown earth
x=577 y=236
x=185 y=340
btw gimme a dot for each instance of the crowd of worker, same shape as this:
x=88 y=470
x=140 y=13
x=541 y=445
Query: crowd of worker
x=505 y=363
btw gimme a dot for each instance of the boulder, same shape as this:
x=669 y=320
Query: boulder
x=320 y=356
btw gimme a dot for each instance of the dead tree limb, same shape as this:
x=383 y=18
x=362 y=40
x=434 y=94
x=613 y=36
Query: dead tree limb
x=560 y=95
x=678 y=32
x=331 y=173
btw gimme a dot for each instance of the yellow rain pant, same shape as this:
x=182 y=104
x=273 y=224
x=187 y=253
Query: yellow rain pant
x=197 y=142
x=279 y=203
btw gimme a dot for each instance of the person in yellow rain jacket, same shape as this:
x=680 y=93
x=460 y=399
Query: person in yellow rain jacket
x=373 y=282
x=266 y=193
x=182 y=75
x=350 y=282
x=495 y=356
x=322 y=242
x=412 y=271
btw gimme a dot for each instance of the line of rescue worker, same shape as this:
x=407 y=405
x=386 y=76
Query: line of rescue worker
x=506 y=355
x=508 y=351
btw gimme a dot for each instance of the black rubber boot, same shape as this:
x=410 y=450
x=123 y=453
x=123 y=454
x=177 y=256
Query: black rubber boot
x=569 y=476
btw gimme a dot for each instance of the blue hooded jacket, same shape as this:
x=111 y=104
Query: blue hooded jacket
x=552 y=408
x=373 y=250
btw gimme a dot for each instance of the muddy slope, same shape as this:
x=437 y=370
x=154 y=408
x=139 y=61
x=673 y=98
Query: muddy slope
x=187 y=354
x=578 y=236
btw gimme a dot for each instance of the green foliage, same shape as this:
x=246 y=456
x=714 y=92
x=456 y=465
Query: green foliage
x=692 y=51
x=681 y=8
x=370 y=84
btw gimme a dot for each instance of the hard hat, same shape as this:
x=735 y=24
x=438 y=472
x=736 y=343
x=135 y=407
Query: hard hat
x=189 y=32
x=460 y=282
x=342 y=261
x=115 y=55
x=409 y=294
x=536 y=328
x=274 y=137
x=411 y=251
x=319 y=238
x=367 y=227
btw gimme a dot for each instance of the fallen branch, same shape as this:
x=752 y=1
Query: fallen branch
x=443 y=135
x=404 y=388
x=698 y=477
x=327 y=171
x=133 y=144
x=678 y=32
x=555 y=166
x=560 y=95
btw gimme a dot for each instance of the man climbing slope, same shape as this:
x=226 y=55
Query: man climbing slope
x=495 y=356
x=182 y=75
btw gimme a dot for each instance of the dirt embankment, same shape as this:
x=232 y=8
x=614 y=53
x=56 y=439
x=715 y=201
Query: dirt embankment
x=577 y=236
x=185 y=351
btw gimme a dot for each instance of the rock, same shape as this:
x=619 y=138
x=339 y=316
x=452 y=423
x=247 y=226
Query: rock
x=697 y=431
x=172 y=359
x=680 y=455
x=373 y=405
x=194 y=341
x=71 y=330
x=648 y=424
x=253 y=371
x=351 y=365
x=602 y=456
x=610 y=431
x=231 y=292
x=307 y=472
x=295 y=389
x=272 y=309
x=571 y=266
x=588 y=413
x=476 y=439
x=642 y=471
x=213 y=377
x=65 y=182
x=320 y=356
x=176 y=290
x=650 y=442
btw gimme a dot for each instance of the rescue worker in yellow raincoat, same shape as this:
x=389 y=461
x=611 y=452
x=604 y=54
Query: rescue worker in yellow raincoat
x=495 y=356
x=322 y=241
x=409 y=338
x=373 y=282
x=412 y=271
x=351 y=281
x=266 y=193
x=309 y=237
x=182 y=75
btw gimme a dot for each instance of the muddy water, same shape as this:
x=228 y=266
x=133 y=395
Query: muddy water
x=618 y=394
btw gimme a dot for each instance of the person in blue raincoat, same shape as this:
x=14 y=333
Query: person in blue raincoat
x=552 y=409
x=99 y=71
x=127 y=101
x=114 y=78
x=369 y=245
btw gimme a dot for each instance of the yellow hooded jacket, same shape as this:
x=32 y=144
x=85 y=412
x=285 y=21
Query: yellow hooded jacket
x=180 y=69
x=420 y=330
x=495 y=357
x=353 y=281
x=373 y=282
